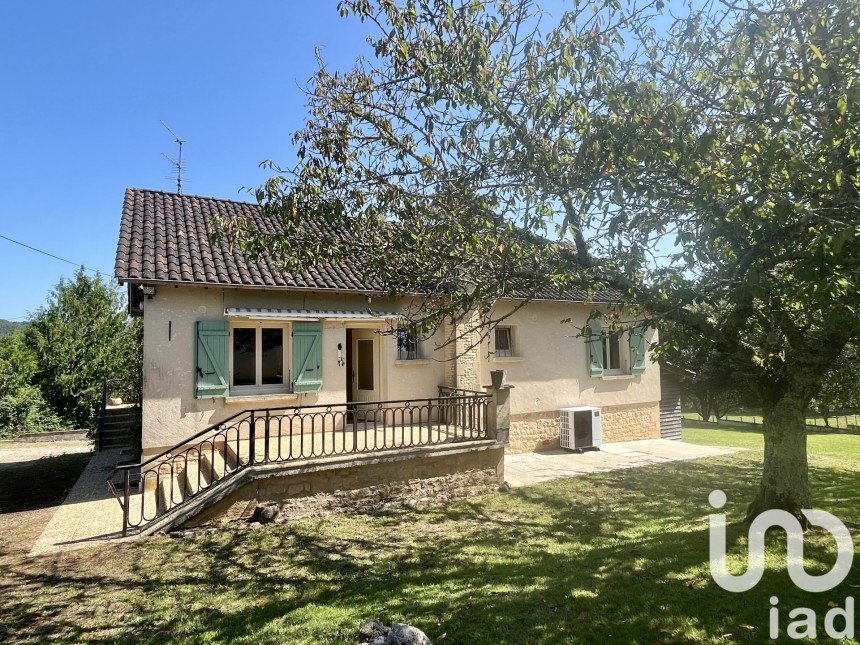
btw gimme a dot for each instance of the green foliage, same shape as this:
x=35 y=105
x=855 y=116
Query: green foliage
x=24 y=410
x=468 y=133
x=8 y=326
x=840 y=390
x=52 y=371
x=22 y=407
x=82 y=337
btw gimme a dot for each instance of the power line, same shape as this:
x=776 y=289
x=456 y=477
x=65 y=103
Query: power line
x=51 y=255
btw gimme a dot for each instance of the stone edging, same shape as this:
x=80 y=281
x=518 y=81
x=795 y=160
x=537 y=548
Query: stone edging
x=62 y=435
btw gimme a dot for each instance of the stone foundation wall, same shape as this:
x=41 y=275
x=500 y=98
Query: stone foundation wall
x=536 y=432
x=423 y=480
x=631 y=422
x=373 y=499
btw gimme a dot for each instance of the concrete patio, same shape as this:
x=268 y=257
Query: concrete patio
x=528 y=468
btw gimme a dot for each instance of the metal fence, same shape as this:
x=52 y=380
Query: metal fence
x=842 y=420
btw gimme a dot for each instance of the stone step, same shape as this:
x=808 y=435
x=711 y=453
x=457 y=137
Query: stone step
x=121 y=416
x=170 y=490
x=196 y=478
x=116 y=430
x=214 y=465
x=120 y=423
x=106 y=442
x=232 y=455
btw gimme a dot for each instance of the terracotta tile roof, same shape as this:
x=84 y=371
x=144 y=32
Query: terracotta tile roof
x=165 y=237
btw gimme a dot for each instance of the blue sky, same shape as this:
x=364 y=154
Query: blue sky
x=83 y=86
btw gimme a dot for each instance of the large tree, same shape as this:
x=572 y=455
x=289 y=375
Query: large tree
x=81 y=338
x=708 y=160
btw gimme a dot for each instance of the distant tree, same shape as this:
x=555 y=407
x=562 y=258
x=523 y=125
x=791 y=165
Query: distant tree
x=81 y=338
x=710 y=385
x=712 y=390
x=840 y=390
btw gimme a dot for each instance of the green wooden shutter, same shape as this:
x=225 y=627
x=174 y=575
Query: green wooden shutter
x=594 y=339
x=637 y=350
x=307 y=357
x=213 y=343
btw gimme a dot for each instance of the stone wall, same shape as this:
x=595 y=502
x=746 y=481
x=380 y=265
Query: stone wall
x=424 y=480
x=540 y=431
x=372 y=499
x=467 y=349
x=534 y=432
x=631 y=422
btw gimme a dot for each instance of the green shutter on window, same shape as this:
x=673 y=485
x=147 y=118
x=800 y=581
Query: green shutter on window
x=637 y=350
x=594 y=340
x=307 y=357
x=213 y=344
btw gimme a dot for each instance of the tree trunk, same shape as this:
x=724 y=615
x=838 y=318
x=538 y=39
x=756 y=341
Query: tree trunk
x=785 y=479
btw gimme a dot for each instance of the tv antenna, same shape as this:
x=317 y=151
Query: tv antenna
x=177 y=162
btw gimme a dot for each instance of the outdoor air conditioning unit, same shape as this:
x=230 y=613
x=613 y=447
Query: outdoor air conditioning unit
x=580 y=428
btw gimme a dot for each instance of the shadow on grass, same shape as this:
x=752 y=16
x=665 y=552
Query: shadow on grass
x=615 y=557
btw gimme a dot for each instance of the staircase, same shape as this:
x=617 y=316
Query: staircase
x=119 y=424
x=118 y=427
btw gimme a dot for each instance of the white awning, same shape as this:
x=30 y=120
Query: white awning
x=307 y=314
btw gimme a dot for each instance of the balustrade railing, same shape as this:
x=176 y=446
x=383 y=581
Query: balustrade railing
x=148 y=490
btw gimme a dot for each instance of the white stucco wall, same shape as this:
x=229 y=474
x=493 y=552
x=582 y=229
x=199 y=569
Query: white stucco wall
x=549 y=372
x=170 y=411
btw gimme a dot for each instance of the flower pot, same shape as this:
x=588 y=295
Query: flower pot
x=499 y=378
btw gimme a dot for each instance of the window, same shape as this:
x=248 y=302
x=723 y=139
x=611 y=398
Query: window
x=615 y=354
x=407 y=344
x=504 y=342
x=258 y=359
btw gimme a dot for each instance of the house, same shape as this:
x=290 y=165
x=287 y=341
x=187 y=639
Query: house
x=227 y=338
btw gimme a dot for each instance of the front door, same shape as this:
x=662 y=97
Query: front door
x=365 y=365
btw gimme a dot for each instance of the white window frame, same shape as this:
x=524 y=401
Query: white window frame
x=410 y=331
x=511 y=352
x=275 y=388
x=623 y=353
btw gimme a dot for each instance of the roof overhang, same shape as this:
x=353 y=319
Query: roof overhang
x=307 y=314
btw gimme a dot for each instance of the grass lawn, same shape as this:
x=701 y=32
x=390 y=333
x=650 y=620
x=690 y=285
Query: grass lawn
x=615 y=557
x=822 y=444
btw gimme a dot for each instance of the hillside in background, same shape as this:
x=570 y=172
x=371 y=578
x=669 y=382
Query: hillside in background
x=7 y=326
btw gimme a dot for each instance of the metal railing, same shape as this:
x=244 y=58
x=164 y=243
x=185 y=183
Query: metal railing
x=454 y=413
x=148 y=490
